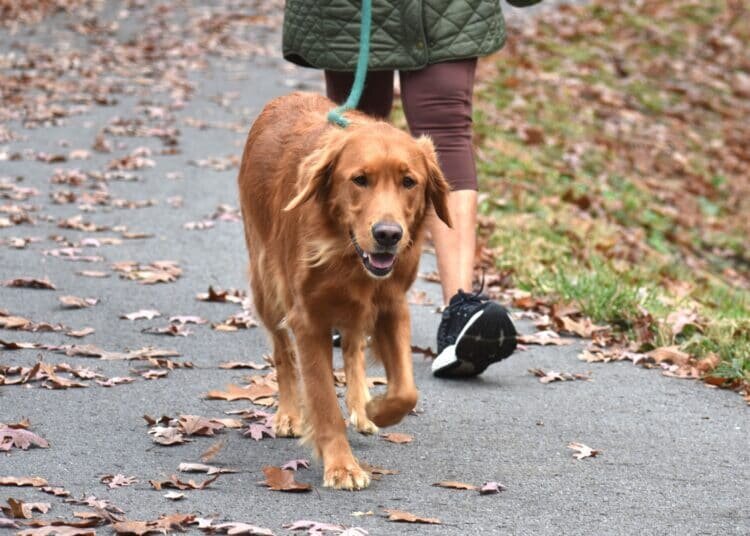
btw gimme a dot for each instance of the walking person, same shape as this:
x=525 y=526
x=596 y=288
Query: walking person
x=434 y=46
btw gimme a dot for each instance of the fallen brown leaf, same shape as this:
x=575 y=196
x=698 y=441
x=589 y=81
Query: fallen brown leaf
x=455 y=485
x=80 y=333
x=34 y=481
x=175 y=482
x=396 y=437
x=19 y=438
x=544 y=338
x=244 y=364
x=490 y=488
x=279 y=479
x=235 y=392
x=74 y=302
x=242 y=528
x=197 y=425
x=147 y=314
x=407 y=517
x=582 y=451
x=202 y=468
x=117 y=481
x=552 y=376
x=22 y=510
x=27 y=282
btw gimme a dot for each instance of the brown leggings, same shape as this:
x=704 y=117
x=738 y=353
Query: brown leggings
x=437 y=102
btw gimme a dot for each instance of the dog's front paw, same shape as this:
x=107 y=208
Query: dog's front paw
x=287 y=425
x=349 y=477
x=362 y=424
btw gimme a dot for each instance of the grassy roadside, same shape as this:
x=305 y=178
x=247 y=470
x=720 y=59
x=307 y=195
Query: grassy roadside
x=613 y=144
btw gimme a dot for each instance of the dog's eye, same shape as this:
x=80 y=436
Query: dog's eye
x=360 y=180
x=409 y=183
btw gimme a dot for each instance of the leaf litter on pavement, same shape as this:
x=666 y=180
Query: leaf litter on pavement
x=674 y=356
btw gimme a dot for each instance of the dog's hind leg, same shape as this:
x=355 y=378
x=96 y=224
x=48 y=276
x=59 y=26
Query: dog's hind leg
x=357 y=393
x=391 y=343
x=288 y=419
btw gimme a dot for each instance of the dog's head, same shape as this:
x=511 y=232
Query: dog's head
x=376 y=182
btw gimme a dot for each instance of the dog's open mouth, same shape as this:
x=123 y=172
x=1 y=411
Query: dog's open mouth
x=378 y=263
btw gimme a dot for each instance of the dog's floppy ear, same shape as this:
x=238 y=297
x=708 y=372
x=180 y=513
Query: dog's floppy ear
x=437 y=186
x=314 y=171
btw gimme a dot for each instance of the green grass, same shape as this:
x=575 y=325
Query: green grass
x=627 y=229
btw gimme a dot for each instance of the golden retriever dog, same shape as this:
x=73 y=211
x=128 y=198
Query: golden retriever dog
x=333 y=222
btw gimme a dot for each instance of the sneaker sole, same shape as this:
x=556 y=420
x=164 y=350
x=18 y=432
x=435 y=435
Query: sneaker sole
x=488 y=337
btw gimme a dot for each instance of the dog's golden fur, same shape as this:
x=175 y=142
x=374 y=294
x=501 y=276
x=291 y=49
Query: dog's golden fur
x=302 y=213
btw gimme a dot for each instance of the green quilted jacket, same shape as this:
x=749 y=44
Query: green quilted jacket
x=406 y=34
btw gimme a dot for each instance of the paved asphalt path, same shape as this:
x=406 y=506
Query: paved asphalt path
x=674 y=454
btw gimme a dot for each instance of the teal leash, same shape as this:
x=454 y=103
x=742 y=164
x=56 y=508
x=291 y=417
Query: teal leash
x=335 y=116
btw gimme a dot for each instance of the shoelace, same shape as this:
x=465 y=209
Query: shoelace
x=474 y=297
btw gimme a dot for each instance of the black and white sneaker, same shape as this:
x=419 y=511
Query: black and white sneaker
x=474 y=333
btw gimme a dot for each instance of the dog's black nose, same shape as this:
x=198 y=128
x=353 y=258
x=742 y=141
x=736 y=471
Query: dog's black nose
x=387 y=233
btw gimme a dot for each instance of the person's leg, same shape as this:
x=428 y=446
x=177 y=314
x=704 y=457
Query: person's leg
x=437 y=102
x=377 y=96
x=474 y=332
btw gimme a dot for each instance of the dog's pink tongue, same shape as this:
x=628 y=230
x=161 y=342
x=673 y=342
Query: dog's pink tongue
x=382 y=260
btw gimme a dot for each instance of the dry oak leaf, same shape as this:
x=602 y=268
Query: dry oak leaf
x=22 y=510
x=28 y=282
x=116 y=380
x=455 y=485
x=174 y=330
x=375 y=471
x=235 y=392
x=79 y=333
x=490 y=488
x=244 y=364
x=293 y=465
x=57 y=530
x=544 y=338
x=187 y=319
x=57 y=492
x=149 y=274
x=584 y=328
x=197 y=425
x=12 y=345
x=154 y=374
x=279 y=479
x=93 y=273
x=176 y=483
x=258 y=431
x=669 y=354
x=162 y=525
x=582 y=451
x=117 y=481
x=6 y=523
x=202 y=468
x=406 y=517
x=34 y=481
x=218 y=295
x=147 y=314
x=19 y=438
x=317 y=528
x=167 y=435
x=396 y=437
x=242 y=528
x=552 y=376
x=74 y=302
